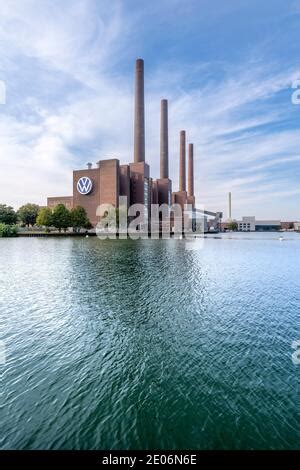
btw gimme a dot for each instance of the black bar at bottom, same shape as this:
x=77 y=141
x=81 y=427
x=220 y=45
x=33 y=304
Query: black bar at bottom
x=137 y=459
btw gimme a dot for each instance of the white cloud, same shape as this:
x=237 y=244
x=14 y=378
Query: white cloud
x=86 y=112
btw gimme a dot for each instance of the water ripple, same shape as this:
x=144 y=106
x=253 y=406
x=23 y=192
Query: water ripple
x=149 y=345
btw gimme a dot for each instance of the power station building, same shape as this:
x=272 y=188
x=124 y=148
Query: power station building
x=107 y=181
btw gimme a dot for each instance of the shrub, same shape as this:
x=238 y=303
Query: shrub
x=8 y=230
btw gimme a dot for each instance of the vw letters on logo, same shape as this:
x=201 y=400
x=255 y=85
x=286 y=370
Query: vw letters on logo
x=84 y=185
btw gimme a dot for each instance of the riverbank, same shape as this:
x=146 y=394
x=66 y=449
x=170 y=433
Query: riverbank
x=209 y=234
x=54 y=234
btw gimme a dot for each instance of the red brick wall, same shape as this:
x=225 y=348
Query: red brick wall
x=124 y=182
x=109 y=182
x=67 y=201
x=164 y=185
x=89 y=201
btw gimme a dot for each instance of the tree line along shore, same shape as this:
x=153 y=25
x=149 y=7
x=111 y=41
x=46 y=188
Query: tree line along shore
x=31 y=216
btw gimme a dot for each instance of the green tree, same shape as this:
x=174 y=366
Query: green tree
x=7 y=215
x=8 y=230
x=44 y=217
x=88 y=226
x=61 y=218
x=28 y=214
x=233 y=226
x=79 y=218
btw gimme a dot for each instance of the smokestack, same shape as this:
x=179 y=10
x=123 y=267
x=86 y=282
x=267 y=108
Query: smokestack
x=89 y=165
x=182 y=185
x=139 y=113
x=164 y=140
x=191 y=170
x=229 y=205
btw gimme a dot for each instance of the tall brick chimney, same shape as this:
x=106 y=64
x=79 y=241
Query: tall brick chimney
x=164 y=140
x=139 y=113
x=182 y=183
x=191 y=170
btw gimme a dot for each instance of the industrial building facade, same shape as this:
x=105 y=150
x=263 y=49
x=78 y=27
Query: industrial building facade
x=250 y=224
x=107 y=181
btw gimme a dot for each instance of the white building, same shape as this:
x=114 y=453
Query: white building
x=297 y=226
x=249 y=224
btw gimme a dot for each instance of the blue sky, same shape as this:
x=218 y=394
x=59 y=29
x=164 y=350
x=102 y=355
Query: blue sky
x=227 y=68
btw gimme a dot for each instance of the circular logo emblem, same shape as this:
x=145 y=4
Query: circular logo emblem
x=84 y=185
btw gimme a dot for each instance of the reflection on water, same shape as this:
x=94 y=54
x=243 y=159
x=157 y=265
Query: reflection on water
x=145 y=344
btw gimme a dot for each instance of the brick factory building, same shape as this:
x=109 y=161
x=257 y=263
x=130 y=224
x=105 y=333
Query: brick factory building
x=109 y=179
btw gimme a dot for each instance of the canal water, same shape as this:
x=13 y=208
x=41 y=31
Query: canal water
x=150 y=344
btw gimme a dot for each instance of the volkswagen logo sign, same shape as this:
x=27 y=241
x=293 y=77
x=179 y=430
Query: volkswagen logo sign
x=84 y=185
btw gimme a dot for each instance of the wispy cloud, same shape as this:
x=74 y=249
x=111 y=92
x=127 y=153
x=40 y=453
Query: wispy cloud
x=69 y=80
